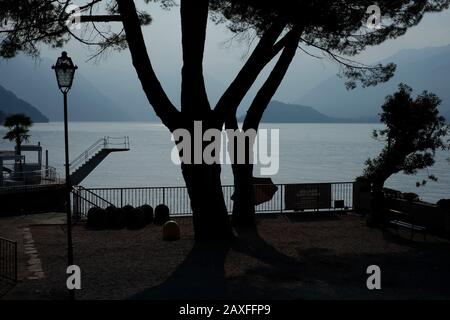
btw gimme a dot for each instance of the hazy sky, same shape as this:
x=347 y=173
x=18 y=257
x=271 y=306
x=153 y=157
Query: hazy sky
x=223 y=59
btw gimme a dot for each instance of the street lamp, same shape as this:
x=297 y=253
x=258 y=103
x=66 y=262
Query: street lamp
x=65 y=72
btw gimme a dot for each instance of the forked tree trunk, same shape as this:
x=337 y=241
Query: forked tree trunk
x=210 y=214
x=203 y=181
x=244 y=202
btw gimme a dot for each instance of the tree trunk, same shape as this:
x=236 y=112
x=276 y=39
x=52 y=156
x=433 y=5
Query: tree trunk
x=19 y=153
x=376 y=216
x=210 y=214
x=244 y=196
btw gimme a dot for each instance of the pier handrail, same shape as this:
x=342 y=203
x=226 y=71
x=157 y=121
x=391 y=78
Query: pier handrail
x=103 y=143
x=124 y=143
x=99 y=144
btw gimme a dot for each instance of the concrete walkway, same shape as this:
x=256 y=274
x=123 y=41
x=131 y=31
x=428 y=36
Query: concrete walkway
x=17 y=228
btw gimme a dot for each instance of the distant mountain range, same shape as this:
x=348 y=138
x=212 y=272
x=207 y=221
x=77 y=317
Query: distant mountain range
x=422 y=69
x=119 y=95
x=114 y=94
x=279 y=112
x=10 y=103
x=36 y=83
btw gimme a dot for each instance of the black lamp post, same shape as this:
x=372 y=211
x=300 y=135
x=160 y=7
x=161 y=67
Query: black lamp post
x=65 y=72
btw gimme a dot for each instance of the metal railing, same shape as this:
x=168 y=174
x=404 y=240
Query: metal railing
x=177 y=198
x=11 y=181
x=8 y=259
x=118 y=142
x=82 y=194
x=103 y=143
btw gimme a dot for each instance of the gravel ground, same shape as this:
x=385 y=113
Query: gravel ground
x=303 y=256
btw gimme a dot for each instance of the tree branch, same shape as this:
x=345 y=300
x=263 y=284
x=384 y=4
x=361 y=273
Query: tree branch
x=156 y=95
x=194 y=18
x=271 y=85
x=265 y=51
x=100 y=18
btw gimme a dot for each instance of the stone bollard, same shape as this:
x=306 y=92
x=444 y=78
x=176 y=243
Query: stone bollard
x=171 y=231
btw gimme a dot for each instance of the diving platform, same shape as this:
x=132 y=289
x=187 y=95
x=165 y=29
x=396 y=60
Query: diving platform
x=86 y=162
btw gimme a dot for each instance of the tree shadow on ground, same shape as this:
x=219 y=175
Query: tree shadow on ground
x=325 y=274
x=200 y=276
x=313 y=273
x=322 y=273
x=252 y=244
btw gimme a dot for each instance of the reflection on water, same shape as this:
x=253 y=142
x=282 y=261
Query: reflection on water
x=308 y=153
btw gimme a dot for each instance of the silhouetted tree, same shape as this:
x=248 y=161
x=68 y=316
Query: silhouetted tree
x=414 y=131
x=18 y=125
x=337 y=28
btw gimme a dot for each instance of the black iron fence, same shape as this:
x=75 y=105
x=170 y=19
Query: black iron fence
x=8 y=260
x=269 y=198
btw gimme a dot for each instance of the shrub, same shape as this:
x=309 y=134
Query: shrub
x=140 y=217
x=148 y=211
x=128 y=208
x=103 y=219
x=93 y=218
x=444 y=204
x=97 y=218
x=127 y=212
x=162 y=214
x=118 y=218
x=109 y=213
x=136 y=219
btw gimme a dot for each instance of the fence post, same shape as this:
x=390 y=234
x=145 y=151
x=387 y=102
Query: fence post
x=15 y=261
x=164 y=195
x=74 y=195
x=351 y=194
x=281 y=198
x=121 y=198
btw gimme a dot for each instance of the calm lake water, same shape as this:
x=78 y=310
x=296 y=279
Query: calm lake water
x=308 y=153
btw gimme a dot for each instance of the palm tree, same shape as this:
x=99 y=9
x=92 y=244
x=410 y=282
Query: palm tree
x=18 y=125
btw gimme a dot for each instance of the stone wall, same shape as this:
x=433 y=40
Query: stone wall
x=48 y=199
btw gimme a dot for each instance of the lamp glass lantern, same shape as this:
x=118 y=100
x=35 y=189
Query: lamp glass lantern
x=65 y=72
